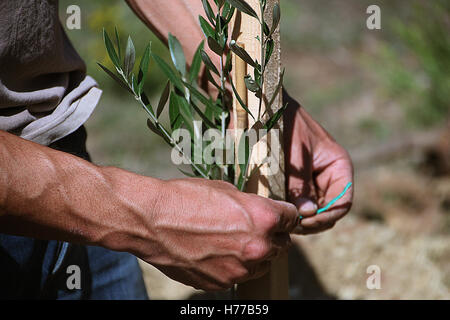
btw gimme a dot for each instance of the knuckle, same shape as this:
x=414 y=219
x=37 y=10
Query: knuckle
x=269 y=219
x=241 y=275
x=257 y=250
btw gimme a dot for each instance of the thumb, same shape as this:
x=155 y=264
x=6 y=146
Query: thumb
x=301 y=187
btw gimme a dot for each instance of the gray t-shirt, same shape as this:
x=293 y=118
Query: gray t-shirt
x=44 y=92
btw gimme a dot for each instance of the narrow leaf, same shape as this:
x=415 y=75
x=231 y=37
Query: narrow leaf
x=177 y=54
x=194 y=71
x=242 y=54
x=244 y=7
x=187 y=173
x=130 y=57
x=167 y=70
x=275 y=117
x=209 y=12
x=251 y=84
x=110 y=49
x=215 y=46
x=266 y=29
x=163 y=99
x=204 y=100
x=277 y=90
x=143 y=68
x=220 y=3
x=186 y=113
x=240 y=100
x=116 y=78
x=229 y=63
x=211 y=79
x=174 y=113
x=147 y=103
x=119 y=51
x=269 y=50
x=203 y=116
x=207 y=61
x=276 y=18
x=208 y=31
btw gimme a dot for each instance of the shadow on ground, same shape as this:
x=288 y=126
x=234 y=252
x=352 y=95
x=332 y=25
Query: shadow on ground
x=304 y=282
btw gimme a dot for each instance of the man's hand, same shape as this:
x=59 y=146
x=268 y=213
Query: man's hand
x=210 y=235
x=317 y=169
x=203 y=233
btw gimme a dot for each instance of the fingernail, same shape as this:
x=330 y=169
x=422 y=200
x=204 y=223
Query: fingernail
x=308 y=207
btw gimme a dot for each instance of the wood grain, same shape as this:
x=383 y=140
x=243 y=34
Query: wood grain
x=265 y=180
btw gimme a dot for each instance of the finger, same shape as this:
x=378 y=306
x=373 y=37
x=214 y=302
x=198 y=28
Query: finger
x=281 y=242
x=306 y=231
x=331 y=181
x=257 y=271
x=306 y=207
x=301 y=187
x=336 y=212
x=288 y=217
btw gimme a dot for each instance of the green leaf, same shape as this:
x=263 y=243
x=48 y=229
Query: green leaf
x=187 y=174
x=276 y=17
x=185 y=112
x=228 y=64
x=229 y=15
x=163 y=99
x=242 y=53
x=143 y=68
x=130 y=57
x=277 y=90
x=266 y=29
x=134 y=84
x=211 y=79
x=275 y=117
x=220 y=3
x=147 y=103
x=215 y=46
x=243 y=143
x=244 y=7
x=154 y=128
x=194 y=71
x=207 y=61
x=176 y=121
x=269 y=50
x=167 y=70
x=116 y=78
x=119 y=51
x=208 y=31
x=110 y=49
x=251 y=84
x=200 y=97
x=177 y=54
x=240 y=100
x=226 y=9
x=203 y=116
x=209 y=12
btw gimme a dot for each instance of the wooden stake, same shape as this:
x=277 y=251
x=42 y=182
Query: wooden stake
x=275 y=284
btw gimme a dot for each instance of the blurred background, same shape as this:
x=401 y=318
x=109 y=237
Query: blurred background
x=383 y=94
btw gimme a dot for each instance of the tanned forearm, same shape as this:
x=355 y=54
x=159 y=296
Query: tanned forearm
x=49 y=194
x=179 y=17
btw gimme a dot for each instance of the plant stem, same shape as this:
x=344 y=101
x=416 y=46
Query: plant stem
x=160 y=126
x=263 y=59
x=222 y=98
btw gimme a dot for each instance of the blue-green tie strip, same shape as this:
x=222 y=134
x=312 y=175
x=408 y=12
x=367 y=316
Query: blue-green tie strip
x=332 y=202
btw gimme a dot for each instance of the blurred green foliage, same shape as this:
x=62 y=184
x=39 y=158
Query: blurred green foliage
x=414 y=60
x=336 y=67
x=88 y=41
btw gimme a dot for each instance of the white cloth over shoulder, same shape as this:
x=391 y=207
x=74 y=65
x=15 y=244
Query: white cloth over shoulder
x=44 y=92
